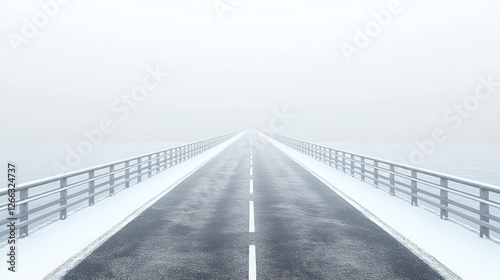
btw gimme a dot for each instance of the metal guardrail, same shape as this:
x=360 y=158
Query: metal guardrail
x=51 y=198
x=466 y=199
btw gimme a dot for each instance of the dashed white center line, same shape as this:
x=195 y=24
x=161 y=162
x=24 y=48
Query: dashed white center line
x=252 y=264
x=251 y=222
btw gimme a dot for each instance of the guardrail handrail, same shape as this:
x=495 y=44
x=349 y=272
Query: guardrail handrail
x=364 y=166
x=121 y=172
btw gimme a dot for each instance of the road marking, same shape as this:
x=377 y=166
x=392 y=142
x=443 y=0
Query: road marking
x=251 y=222
x=252 y=264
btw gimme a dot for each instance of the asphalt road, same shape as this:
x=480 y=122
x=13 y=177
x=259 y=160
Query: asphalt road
x=206 y=228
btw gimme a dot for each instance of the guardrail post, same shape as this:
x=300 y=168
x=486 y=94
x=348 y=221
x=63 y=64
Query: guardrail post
x=112 y=180
x=139 y=170
x=150 y=166
x=336 y=159
x=443 y=194
x=164 y=160
x=392 y=177
x=352 y=165
x=362 y=169
x=23 y=213
x=157 y=162
x=375 y=174
x=414 y=190
x=330 y=157
x=127 y=174
x=62 y=195
x=91 y=187
x=484 y=210
x=343 y=162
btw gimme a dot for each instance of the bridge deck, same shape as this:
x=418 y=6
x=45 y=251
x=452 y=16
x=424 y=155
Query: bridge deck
x=201 y=229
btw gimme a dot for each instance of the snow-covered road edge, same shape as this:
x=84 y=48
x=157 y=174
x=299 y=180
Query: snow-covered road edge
x=50 y=252
x=449 y=248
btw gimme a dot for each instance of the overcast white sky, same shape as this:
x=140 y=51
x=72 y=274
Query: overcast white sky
x=228 y=75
